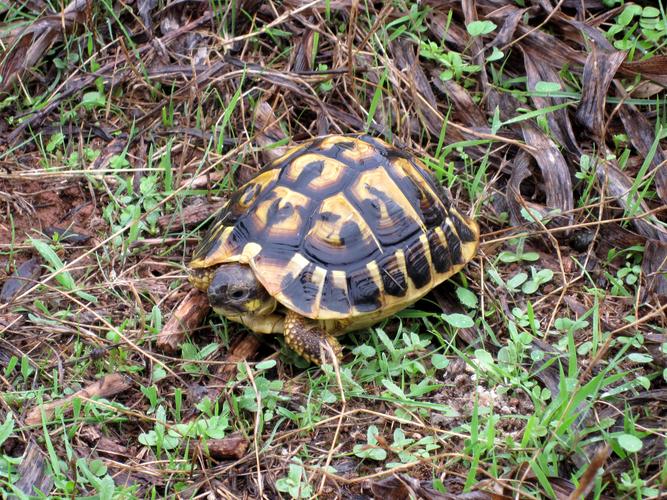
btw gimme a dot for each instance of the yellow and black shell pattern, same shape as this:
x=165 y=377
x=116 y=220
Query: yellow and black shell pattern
x=341 y=227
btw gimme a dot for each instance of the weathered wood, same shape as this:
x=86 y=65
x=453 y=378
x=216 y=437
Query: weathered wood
x=233 y=446
x=33 y=475
x=242 y=350
x=654 y=267
x=108 y=386
x=188 y=315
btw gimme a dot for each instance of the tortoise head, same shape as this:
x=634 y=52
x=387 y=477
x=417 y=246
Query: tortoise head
x=233 y=290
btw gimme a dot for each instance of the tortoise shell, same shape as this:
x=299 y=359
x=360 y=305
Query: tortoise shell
x=342 y=227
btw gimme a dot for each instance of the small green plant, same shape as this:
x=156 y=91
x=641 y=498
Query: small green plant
x=326 y=86
x=295 y=483
x=537 y=279
x=56 y=266
x=453 y=62
x=625 y=279
x=159 y=437
x=265 y=389
x=509 y=257
x=479 y=28
x=7 y=463
x=371 y=449
x=637 y=27
x=192 y=352
x=411 y=449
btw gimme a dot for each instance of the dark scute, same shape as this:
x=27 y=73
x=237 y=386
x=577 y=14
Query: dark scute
x=334 y=298
x=280 y=249
x=208 y=246
x=227 y=216
x=454 y=245
x=354 y=248
x=439 y=253
x=381 y=148
x=276 y=213
x=411 y=191
x=338 y=150
x=435 y=186
x=239 y=235
x=462 y=229
x=433 y=212
x=364 y=293
x=417 y=264
x=348 y=145
x=300 y=289
x=429 y=208
x=402 y=228
x=309 y=172
x=250 y=193
x=350 y=234
x=393 y=279
x=212 y=241
x=370 y=208
x=329 y=216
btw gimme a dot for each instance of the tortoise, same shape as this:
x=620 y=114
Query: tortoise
x=335 y=235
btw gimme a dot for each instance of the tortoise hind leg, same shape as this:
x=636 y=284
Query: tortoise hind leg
x=309 y=339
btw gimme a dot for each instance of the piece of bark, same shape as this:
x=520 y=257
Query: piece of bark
x=24 y=276
x=231 y=447
x=108 y=386
x=556 y=177
x=654 y=68
x=654 y=267
x=242 y=350
x=203 y=180
x=32 y=473
x=188 y=315
x=618 y=185
x=642 y=134
x=599 y=71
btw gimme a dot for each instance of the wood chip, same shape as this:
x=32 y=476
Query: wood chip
x=587 y=480
x=242 y=350
x=654 y=267
x=33 y=475
x=24 y=276
x=188 y=315
x=231 y=447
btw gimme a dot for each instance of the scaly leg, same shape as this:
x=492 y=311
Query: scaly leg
x=309 y=340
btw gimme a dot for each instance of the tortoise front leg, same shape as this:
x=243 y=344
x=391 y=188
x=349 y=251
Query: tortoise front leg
x=310 y=340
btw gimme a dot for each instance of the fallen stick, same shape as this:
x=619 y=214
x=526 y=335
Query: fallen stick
x=108 y=386
x=188 y=315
